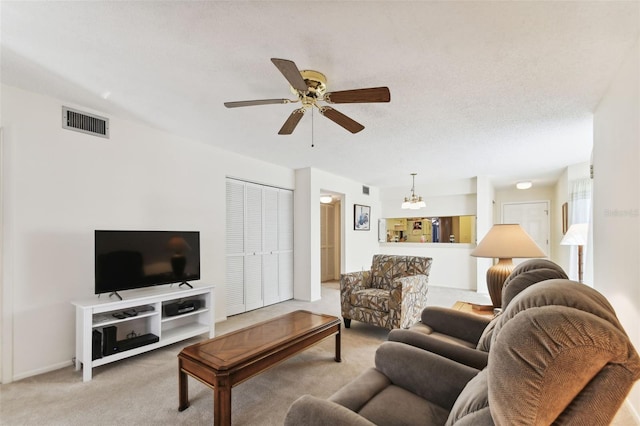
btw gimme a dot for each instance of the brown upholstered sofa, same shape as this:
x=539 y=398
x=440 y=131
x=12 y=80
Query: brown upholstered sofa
x=391 y=294
x=465 y=337
x=558 y=354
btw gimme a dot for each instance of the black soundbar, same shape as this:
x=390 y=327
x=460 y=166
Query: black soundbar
x=136 y=342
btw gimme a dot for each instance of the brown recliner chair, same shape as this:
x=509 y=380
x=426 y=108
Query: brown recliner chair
x=465 y=337
x=567 y=361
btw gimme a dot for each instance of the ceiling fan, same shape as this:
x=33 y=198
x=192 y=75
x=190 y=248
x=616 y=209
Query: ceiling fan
x=310 y=87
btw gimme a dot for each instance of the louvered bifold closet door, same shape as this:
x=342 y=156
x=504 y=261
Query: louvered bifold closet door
x=270 y=246
x=253 y=248
x=285 y=244
x=234 y=282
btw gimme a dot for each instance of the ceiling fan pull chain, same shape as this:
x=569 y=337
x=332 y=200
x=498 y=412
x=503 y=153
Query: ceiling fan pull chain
x=312 y=143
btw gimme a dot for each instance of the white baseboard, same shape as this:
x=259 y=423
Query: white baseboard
x=43 y=370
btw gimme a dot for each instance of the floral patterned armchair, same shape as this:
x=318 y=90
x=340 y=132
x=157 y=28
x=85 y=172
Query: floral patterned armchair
x=391 y=294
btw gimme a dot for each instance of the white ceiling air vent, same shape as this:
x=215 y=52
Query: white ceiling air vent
x=86 y=123
x=365 y=190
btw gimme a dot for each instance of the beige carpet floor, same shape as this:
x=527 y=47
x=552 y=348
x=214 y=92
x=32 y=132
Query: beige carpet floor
x=143 y=390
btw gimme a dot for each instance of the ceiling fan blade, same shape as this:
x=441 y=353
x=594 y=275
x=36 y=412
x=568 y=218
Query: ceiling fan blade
x=291 y=73
x=341 y=119
x=256 y=102
x=373 y=94
x=289 y=126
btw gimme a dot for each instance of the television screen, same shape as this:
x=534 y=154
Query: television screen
x=132 y=259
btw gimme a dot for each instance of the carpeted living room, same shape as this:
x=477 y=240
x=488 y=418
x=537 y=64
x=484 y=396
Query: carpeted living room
x=319 y=212
x=60 y=398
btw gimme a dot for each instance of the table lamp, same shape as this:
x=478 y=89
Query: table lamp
x=504 y=241
x=576 y=236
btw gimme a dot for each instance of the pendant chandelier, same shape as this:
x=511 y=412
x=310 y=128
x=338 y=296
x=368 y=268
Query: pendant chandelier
x=413 y=203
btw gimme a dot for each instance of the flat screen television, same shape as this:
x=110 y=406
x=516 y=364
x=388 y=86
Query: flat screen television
x=133 y=259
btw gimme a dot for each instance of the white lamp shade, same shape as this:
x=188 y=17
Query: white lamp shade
x=576 y=235
x=507 y=241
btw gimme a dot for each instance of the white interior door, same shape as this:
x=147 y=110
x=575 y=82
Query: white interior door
x=270 y=247
x=234 y=279
x=534 y=218
x=327 y=242
x=253 y=248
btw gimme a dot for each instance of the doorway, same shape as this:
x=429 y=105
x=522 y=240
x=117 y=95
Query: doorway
x=330 y=242
x=534 y=218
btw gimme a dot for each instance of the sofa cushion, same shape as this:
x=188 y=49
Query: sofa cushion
x=382 y=271
x=569 y=358
x=383 y=409
x=472 y=405
x=386 y=268
x=520 y=280
x=557 y=292
x=371 y=298
x=515 y=284
x=355 y=394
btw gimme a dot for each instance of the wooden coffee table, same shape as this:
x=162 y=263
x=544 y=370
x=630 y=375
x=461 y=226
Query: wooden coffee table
x=230 y=359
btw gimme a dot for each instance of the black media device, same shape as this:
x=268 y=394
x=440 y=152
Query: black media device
x=96 y=345
x=133 y=259
x=109 y=341
x=179 y=308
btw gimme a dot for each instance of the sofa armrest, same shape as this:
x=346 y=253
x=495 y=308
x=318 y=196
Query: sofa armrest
x=462 y=325
x=403 y=287
x=352 y=281
x=472 y=357
x=407 y=299
x=428 y=375
x=311 y=411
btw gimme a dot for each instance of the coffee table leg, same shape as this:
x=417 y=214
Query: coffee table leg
x=222 y=401
x=183 y=389
x=338 y=358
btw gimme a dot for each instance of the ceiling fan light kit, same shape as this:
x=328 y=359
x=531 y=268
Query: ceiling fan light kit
x=310 y=87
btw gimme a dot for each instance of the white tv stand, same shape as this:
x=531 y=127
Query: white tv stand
x=97 y=313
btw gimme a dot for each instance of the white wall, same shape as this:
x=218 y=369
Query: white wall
x=59 y=186
x=452 y=265
x=454 y=198
x=616 y=212
x=485 y=213
x=358 y=247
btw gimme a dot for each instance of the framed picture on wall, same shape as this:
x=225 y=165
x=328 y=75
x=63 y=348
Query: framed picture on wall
x=417 y=227
x=361 y=217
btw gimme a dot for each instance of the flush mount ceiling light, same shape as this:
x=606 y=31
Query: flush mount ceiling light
x=525 y=184
x=326 y=199
x=414 y=202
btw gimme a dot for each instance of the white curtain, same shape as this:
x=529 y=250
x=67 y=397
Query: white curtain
x=580 y=207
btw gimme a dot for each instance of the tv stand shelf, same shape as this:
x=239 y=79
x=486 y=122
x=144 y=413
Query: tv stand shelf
x=146 y=307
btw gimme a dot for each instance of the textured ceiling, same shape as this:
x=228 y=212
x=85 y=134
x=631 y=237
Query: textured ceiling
x=504 y=89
